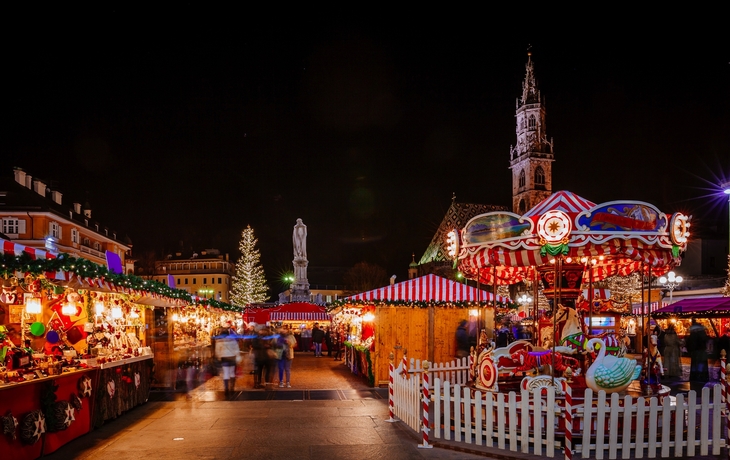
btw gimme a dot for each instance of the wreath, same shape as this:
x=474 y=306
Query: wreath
x=32 y=427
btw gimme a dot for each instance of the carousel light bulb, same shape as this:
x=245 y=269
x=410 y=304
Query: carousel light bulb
x=99 y=308
x=33 y=306
x=116 y=312
x=569 y=259
x=583 y=260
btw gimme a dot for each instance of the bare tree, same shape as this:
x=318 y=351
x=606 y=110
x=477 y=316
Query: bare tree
x=365 y=276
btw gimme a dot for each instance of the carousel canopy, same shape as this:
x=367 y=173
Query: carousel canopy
x=428 y=288
x=712 y=307
x=622 y=236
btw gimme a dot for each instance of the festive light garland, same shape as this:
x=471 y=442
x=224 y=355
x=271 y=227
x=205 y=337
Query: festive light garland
x=418 y=304
x=10 y=264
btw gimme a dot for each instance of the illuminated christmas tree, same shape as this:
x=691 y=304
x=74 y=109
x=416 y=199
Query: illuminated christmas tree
x=249 y=282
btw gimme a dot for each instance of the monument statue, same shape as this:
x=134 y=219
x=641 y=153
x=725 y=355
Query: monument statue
x=300 y=287
x=300 y=240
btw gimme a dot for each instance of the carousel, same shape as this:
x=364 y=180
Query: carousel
x=561 y=247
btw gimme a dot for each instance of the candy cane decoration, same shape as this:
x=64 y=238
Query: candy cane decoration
x=426 y=401
x=391 y=373
x=568 y=422
x=404 y=371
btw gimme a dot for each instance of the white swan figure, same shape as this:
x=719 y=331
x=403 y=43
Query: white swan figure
x=611 y=374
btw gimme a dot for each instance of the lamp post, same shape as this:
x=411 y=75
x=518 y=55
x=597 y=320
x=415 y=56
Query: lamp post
x=726 y=191
x=524 y=300
x=206 y=292
x=670 y=281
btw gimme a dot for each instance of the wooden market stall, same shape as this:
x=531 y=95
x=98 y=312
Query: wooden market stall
x=712 y=312
x=75 y=346
x=419 y=315
x=299 y=316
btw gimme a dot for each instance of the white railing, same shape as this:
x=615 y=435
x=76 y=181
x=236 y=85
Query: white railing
x=610 y=426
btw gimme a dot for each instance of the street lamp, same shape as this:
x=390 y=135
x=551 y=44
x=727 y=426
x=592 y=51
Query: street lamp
x=524 y=300
x=206 y=292
x=670 y=281
x=726 y=191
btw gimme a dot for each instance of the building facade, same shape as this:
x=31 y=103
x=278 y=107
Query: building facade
x=34 y=215
x=207 y=274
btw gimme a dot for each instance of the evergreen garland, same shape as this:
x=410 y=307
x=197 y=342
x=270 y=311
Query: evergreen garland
x=418 y=304
x=10 y=264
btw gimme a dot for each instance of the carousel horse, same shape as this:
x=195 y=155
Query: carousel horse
x=575 y=338
x=543 y=361
x=653 y=361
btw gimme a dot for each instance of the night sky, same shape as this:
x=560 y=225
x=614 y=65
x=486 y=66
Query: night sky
x=195 y=122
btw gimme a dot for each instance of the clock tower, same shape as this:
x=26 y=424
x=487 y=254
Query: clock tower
x=531 y=159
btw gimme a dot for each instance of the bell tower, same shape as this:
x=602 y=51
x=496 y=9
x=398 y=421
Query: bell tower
x=531 y=159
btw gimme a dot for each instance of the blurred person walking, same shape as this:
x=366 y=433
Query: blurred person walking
x=337 y=344
x=328 y=340
x=226 y=351
x=264 y=354
x=317 y=338
x=697 y=348
x=286 y=343
x=671 y=353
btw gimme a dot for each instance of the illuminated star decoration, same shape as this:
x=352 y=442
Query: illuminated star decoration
x=85 y=386
x=69 y=413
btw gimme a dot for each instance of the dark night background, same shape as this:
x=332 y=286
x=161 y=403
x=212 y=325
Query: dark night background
x=194 y=122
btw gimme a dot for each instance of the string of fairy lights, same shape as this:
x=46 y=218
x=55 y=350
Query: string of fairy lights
x=11 y=264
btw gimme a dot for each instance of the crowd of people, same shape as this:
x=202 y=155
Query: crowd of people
x=269 y=352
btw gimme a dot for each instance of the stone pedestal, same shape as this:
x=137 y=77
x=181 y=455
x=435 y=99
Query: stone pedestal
x=300 y=287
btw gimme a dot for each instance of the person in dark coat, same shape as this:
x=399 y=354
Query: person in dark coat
x=462 y=340
x=328 y=340
x=671 y=353
x=317 y=338
x=697 y=349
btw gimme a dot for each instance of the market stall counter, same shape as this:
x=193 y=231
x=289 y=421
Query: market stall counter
x=122 y=385
x=43 y=414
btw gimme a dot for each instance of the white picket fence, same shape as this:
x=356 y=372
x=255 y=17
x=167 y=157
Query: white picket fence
x=610 y=426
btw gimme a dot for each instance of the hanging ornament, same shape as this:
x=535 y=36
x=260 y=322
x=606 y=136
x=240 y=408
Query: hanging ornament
x=62 y=415
x=32 y=427
x=10 y=426
x=84 y=386
x=111 y=388
x=137 y=379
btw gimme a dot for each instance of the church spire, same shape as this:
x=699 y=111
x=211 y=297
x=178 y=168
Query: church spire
x=532 y=156
x=530 y=93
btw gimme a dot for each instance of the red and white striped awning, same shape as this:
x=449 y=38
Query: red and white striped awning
x=429 y=288
x=8 y=247
x=294 y=311
x=299 y=316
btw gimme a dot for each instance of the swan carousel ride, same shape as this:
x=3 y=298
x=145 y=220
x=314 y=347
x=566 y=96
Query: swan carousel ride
x=560 y=247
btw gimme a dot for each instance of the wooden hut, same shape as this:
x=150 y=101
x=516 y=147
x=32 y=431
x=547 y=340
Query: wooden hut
x=419 y=315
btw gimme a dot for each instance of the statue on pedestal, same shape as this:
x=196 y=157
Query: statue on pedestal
x=300 y=240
